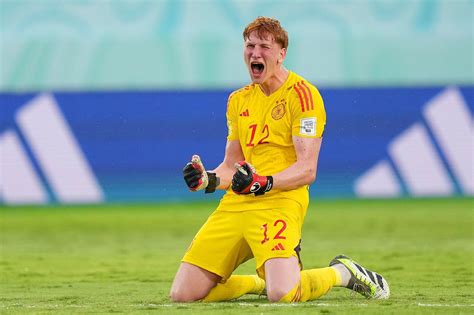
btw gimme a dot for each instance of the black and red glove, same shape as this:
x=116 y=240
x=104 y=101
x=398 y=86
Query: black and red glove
x=247 y=181
x=197 y=178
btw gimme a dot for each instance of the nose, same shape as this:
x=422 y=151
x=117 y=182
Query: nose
x=256 y=52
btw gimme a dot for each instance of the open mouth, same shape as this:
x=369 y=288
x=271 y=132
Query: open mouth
x=257 y=67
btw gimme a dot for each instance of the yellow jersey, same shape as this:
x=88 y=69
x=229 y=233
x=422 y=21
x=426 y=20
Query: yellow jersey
x=264 y=126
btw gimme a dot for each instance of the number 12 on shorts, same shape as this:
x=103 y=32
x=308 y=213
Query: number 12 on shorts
x=279 y=235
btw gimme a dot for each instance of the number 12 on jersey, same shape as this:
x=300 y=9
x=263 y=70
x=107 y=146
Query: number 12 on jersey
x=262 y=135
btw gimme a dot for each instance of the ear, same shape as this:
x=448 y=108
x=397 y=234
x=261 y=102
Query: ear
x=282 y=55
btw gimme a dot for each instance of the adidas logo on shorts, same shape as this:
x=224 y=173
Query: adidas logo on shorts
x=278 y=246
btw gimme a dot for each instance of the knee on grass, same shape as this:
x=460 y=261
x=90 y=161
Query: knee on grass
x=183 y=296
x=281 y=295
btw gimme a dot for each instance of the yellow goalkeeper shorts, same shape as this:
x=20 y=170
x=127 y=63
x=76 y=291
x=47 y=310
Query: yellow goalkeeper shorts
x=229 y=238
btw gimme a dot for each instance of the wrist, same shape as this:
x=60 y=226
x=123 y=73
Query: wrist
x=270 y=183
x=268 y=180
x=213 y=182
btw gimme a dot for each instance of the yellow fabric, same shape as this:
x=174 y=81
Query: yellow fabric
x=235 y=287
x=264 y=126
x=294 y=295
x=314 y=283
x=228 y=239
x=338 y=281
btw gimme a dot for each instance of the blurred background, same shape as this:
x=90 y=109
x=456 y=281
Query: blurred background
x=105 y=101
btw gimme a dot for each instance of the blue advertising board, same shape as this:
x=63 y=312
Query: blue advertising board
x=131 y=146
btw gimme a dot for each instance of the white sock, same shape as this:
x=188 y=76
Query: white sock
x=344 y=273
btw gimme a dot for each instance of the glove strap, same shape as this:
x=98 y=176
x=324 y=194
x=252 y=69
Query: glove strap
x=267 y=187
x=213 y=183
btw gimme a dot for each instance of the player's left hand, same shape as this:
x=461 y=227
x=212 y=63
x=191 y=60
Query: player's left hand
x=247 y=181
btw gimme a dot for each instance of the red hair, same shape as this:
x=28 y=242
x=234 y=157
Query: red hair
x=264 y=27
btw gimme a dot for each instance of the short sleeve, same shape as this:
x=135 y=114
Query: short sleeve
x=232 y=132
x=307 y=108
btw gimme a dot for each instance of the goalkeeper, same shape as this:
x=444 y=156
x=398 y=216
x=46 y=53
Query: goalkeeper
x=275 y=128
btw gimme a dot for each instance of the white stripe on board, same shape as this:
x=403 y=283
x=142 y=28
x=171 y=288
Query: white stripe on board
x=379 y=181
x=19 y=183
x=451 y=122
x=418 y=163
x=58 y=152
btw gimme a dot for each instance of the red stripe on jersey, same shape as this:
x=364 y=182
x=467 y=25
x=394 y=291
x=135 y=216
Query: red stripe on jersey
x=301 y=98
x=305 y=95
x=309 y=92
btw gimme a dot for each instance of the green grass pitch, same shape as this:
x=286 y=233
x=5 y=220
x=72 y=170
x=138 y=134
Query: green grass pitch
x=122 y=258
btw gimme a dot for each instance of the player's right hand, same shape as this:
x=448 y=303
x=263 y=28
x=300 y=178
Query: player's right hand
x=195 y=175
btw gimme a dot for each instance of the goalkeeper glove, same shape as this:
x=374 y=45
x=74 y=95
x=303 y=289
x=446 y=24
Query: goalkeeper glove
x=247 y=181
x=197 y=178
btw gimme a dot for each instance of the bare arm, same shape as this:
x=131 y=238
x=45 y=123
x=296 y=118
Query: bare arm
x=225 y=170
x=303 y=171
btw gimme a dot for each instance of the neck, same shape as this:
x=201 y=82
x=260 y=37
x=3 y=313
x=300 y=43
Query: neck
x=275 y=81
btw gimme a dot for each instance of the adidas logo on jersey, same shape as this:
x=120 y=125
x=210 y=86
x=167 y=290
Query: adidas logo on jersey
x=245 y=113
x=278 y=246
